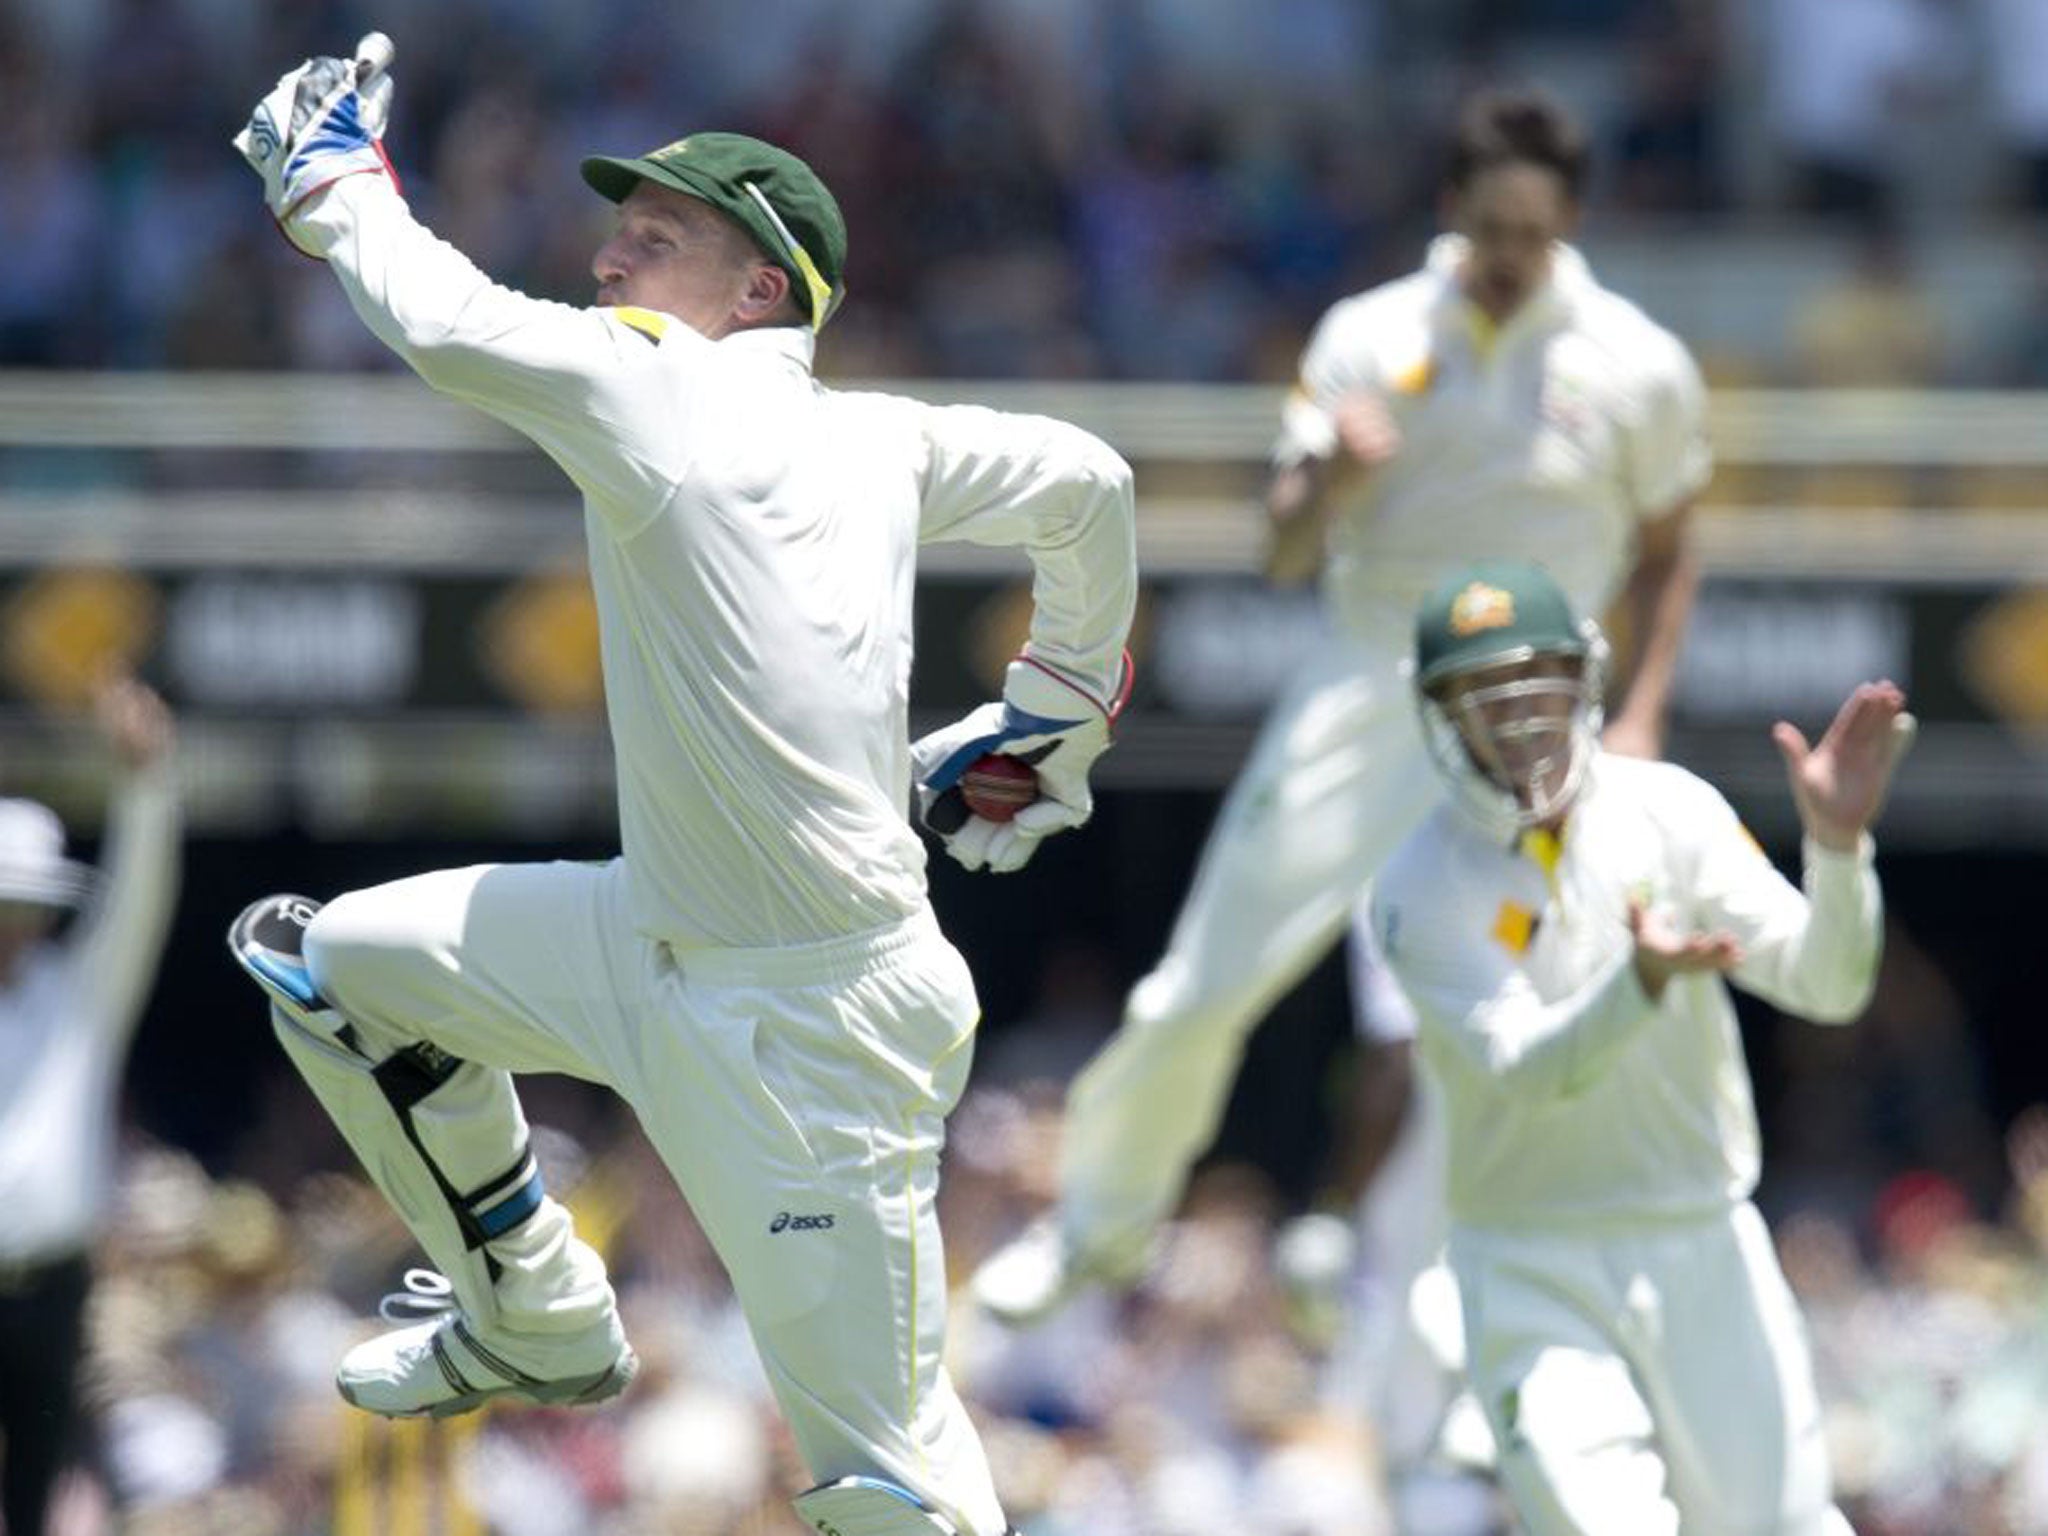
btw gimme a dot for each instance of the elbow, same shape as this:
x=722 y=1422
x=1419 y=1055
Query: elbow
x=1112 y=481
x=1837 y=999
x=1846 y=996
x=1098 y=470
x=1845 y=1006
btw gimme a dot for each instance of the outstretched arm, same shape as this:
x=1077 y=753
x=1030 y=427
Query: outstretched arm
x=1812 y=951
x=573 y=380
x=1841 y=784
x=1667 y=465
x=122 y=932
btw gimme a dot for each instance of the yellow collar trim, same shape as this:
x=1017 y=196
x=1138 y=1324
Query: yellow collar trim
x=1543 y=847
x=649 y=323
x=1484 y=328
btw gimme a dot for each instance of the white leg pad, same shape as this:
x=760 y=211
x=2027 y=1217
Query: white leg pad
x=347 y=1086
x=444 y=1139
x=867 y=1506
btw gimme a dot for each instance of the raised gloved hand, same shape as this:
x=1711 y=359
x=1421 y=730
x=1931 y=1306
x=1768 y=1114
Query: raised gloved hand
x=320 y=122
x=1045 y=719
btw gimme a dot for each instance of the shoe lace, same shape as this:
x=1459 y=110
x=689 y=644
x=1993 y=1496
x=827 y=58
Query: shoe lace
x=428 y=1293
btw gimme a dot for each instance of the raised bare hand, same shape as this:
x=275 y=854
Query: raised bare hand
x=135 y=722
x=1840 y=784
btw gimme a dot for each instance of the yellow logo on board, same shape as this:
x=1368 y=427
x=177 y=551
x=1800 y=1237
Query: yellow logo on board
x=2005 y=657
x=63 y=630
x=539 y=642
x=1481 y=607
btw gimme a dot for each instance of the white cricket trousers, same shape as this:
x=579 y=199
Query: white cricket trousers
x=1338 y=776
x=1647 y=1385
x=797 y=1094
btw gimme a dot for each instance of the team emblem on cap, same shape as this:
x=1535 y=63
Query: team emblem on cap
x=1481 y=607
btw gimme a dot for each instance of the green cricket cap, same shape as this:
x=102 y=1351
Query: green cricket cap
x=1490 y=612
x=767 y=191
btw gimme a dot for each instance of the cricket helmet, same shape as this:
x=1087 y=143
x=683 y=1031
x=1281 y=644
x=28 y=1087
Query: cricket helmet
x=1509 y=683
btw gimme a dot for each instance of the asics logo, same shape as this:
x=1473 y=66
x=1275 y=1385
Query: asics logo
x=263 y=140
x=784 y=1222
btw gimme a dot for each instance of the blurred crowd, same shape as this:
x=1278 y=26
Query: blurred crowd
x=1188 y=1408
x=1915 y=1233
x=1043 y=188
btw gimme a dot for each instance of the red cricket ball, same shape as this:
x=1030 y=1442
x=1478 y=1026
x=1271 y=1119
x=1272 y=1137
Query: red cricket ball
x=996 y=787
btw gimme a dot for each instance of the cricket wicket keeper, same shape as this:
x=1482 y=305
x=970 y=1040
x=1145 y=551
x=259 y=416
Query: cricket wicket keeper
x=759 y=974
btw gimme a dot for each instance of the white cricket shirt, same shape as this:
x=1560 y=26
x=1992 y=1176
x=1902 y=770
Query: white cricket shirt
x=65 y=1024
x=1573 y=1100
x=752 y=539
x=1547 y=438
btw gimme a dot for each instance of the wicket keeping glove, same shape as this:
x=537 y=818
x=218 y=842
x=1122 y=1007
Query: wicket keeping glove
x=1044 y=719
x=320 y=122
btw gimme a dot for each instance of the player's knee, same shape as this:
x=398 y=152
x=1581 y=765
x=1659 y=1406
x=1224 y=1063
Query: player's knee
x=1177 y=1001
x=355 y=952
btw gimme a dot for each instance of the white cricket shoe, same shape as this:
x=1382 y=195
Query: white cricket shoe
x=441 y=1367
x=1037 y=1273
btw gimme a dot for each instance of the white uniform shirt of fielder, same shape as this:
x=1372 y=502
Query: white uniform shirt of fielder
x=1575 y=1102
x=754 y=599
x=1546 y=438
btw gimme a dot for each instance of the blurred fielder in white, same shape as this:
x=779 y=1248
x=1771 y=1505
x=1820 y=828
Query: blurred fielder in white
x=1498 y=401
x=759 y=974
x=1562 y=925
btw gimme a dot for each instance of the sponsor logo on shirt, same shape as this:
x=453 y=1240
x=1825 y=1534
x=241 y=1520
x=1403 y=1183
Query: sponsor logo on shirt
x=785 y=1222
x=1416 y=378
x=1514 y=925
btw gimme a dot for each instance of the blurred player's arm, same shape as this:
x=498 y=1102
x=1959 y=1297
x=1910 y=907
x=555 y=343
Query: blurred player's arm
x=1812 y=951
x=121 y=934
x=1295 y=522
x=1656 y=604
x=585 y=385
x=1668 y=464
x=1309 y=484
x=1334 y=431
x=1382 y=1091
